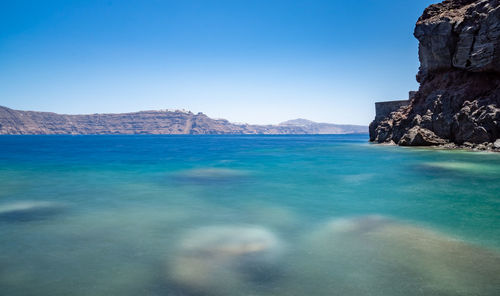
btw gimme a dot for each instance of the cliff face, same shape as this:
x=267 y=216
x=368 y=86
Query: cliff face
x=323 y=128
x=15 y=122
x=458 y=102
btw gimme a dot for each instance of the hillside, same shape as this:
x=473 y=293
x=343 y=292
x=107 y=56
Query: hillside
x=15 y=122
x=325 y=128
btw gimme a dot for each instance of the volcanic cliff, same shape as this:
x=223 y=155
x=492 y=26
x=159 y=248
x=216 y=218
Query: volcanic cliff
x=16 y=122
x=458 y=102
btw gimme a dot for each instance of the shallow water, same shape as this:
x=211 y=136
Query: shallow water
x=245 y=215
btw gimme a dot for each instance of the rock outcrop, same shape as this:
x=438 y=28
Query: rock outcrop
x=458 y=102
x=15 y=122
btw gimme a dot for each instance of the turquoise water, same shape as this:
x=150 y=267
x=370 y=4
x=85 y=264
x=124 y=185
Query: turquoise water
x=245 y=215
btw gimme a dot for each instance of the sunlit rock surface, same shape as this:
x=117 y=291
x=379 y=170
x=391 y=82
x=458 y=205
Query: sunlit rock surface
x=458 y=102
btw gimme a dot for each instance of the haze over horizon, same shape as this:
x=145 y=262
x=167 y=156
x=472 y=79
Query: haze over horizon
x=260 y=62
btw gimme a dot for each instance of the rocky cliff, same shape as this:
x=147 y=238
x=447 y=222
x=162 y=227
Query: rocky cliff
x=15 y=122
x=324 y=128
x=458 y=102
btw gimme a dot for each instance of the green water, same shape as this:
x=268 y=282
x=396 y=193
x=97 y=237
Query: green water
x=245 y=215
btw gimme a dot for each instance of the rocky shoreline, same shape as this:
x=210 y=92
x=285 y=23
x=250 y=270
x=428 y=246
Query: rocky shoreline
x=458 y=103
x=467 y=146
x=494 y=147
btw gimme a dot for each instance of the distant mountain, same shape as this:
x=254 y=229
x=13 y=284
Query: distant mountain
x=15 y=122
x=325 y=128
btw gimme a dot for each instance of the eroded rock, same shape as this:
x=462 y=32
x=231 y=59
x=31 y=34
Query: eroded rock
x=418 y=136
x=459 y=96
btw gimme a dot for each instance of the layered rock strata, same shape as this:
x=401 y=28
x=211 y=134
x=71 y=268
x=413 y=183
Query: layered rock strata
x=15 y=122
x=458 y=102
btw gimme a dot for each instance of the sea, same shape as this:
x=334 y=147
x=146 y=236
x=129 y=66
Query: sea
x=245 y=215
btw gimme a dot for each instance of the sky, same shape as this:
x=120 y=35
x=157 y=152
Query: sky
x=253 y=61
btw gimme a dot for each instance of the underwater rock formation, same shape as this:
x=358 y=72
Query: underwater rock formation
x=210 y=176
x=462 y=168
x=29 y=210
x=360 y=255
x=458 y=102
x=222 y=259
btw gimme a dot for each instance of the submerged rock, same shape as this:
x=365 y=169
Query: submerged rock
x=29 y=210
x=277 y=217
x=210 y=175
x=463 y=167
x=358 y=225
x=392 y=257
x=224 y=259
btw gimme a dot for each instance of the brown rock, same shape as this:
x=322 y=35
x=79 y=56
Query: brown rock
x=461 y=34
x=418 y=136
x=149 y=122
x=459 y=96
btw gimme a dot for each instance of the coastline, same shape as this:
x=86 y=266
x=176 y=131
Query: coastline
x=468 y=147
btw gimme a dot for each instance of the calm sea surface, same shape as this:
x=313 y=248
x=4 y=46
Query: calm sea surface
x=245 y=215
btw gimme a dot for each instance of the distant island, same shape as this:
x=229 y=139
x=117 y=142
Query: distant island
x=167 y=122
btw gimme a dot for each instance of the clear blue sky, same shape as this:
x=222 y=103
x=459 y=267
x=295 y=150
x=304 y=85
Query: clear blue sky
x=255 y=61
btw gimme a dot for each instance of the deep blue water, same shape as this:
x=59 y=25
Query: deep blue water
x=245 y=215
